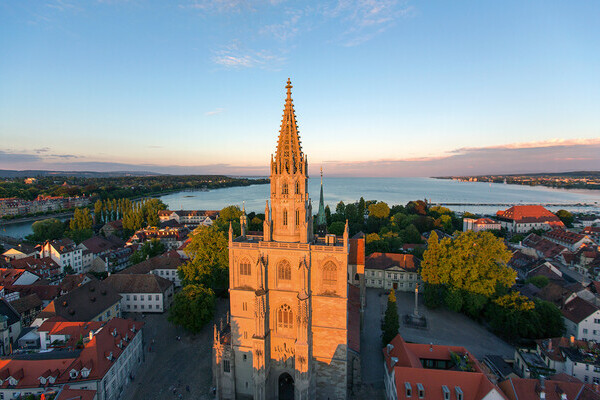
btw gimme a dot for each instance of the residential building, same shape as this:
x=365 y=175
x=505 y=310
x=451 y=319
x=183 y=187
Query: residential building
x=164 y=265
x=142 y=292
x=58 y=333
x=105 y=361
x=522 y=219
x=293 y=321
x=547 y=389
x=44 y=268
x=582 y=319
x=10 y=327
x=65 y=253
x=20 y=251
x=171 y=238
x=593 y=232
x=112 y=228
x=28 y=308
x=571 y=240
x=66 y=393
x=16 y=277
x=539 y=247
x=480 y=224
x=434 y=372
x=189 y=217
x=392 y=271
x=94 y=301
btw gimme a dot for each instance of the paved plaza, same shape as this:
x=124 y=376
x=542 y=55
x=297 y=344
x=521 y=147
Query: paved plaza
x=174 y=369
x=445 y=327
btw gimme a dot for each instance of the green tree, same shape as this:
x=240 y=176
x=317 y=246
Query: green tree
x=391 y=322
x=411 y=235
x=337 y=228
x=151 y=248
x=360 y=209
x=209 y=260
x=47 y=229
x=473 y=262
x=192 y=308
x=98 y=211
x=566 y=217
x=539 y=281
x=552 y=323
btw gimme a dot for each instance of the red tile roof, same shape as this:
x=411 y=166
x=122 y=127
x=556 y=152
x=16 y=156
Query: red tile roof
x=529 y=389
x=564 y=236
x=524 y=214
x=387 y=260
x=357 y=251
x=578 y=309
x=67 y=393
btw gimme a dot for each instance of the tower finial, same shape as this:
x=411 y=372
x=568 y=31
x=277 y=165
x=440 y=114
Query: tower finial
x=289 y=89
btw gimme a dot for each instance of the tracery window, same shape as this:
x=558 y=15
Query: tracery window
x=297 y=187
x=245 y=268
x=284 y=271
x=284 y=189
x=285 y=317
x=297 y=217
x=329 y=274
x=284 y=217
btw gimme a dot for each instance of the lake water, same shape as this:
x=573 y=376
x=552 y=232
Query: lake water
x=390 y=190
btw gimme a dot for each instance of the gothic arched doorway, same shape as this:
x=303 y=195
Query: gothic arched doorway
x=286 y=387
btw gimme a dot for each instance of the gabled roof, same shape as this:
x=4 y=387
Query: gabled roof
x=98 y=245
x=44 y=292
x=8 y=311
x=66 y=393
x=385 y=261
x=138 y=283
x=562 y=235
x=529 y=214
x=164 y=261
x=84 y=302
x=63 y=245
x=529 y=389
x=578 y=309
x=26 y=303
x=74 y=330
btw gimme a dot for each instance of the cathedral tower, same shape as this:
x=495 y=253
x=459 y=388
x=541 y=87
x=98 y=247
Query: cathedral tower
x=291 y=211
x=292 y=333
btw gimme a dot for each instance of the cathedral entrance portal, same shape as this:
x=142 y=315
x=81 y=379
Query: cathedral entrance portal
x=286 y=387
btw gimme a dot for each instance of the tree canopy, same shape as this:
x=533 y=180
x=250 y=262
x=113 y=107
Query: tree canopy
x=192 y=307
x=472 y=261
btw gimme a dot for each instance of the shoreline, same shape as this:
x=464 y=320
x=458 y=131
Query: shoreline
x=574 y=189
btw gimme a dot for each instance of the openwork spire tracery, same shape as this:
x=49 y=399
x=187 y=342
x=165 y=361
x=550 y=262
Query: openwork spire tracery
x=289 y=157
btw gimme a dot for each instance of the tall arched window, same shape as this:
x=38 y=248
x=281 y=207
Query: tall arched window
x=284 y=217
x=284 y=271
x=297 y=187
x=245 y=268
x=297 y=217
x=285 y=317
x=329 y=274
x=284 y=189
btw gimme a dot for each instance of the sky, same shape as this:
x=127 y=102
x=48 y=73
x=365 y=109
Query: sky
x=381 y=87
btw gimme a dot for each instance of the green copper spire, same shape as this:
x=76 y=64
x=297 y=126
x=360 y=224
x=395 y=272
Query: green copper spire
x=321 y=219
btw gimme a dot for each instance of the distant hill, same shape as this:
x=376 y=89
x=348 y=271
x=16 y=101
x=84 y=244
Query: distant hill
x=8 y=173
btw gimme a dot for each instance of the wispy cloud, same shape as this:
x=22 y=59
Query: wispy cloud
x=233 y=56
x=365 y=19
x=214 y=112
x=286 y=30
x=555 y=155
x=221 y=6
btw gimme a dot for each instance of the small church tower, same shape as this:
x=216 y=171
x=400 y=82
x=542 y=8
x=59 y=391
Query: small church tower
x=321 y=217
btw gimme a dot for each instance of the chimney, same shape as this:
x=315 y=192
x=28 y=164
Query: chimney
x=550 y=344
x=572 y=340
x=563 y=396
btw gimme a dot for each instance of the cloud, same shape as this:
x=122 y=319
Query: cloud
x=214 y=112
x=218 y=6
x=365 y=19
x=285 y=30
x=41 y=154
x=42 y=150
x=233 y=57
x=556 y=155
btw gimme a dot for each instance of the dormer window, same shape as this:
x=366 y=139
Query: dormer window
x=42 y=380
x=85 y=373
x=73 y=374
x=459 y=393
x=12 y=381
x=51 y=379
x=421 y=390
x=446 y=392
x=110 y=356
x=408 y=389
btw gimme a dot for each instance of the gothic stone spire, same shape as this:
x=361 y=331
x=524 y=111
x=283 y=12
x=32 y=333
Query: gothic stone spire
x=289 y=157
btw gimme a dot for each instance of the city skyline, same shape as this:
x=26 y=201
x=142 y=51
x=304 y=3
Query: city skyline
x=388 y=88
